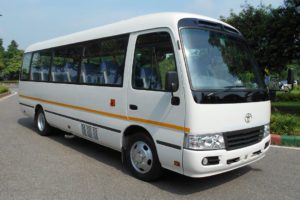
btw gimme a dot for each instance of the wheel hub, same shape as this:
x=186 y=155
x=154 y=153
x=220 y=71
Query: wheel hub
x=41 y=121
x=141 y=157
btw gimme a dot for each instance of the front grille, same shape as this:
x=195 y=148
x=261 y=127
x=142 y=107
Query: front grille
x=243 y=138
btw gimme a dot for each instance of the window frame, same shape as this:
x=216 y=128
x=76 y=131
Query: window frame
x=162 y=30
x=124 y=62
x=126 y=35
x=39 y=51
x=181 y=26
x=29 y=69
x=79 y=66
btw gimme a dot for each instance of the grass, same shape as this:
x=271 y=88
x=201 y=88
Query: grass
x=292 y=108
x=9 y=81
x=3 y=89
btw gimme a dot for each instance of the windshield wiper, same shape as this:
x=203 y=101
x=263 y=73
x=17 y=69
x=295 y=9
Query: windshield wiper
x=228 y=88
x=235 y=86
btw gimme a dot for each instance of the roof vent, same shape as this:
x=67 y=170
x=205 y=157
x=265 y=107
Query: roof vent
x=207 y=23
x=229 y=29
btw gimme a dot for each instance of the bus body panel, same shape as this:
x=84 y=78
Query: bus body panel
x=141 y=23
x=193 y=159
x=61 y=104
x=219 y=118
x=156 y=106
x=222 y=118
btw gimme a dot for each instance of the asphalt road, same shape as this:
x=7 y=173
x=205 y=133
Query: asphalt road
x=36 y=167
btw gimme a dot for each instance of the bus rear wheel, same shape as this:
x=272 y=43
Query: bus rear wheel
x=41 y=123
x=142 y=159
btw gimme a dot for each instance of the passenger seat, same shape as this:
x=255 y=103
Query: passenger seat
x=149 y=78
x=110 y=72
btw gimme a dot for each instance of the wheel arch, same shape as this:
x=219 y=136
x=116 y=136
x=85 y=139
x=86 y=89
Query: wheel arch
x=156 y=169
x=36 y=109
x=132 y=129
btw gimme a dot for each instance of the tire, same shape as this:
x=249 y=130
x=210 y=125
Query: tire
x=41 y=123
x=141 y=157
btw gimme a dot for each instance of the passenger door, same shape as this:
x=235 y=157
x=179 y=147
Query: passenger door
x=149 y=104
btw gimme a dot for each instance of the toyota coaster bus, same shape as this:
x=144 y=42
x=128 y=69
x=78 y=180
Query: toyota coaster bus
x=170 y=90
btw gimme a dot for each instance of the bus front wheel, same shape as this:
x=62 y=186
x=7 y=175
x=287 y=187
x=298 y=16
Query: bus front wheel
x=142 y=159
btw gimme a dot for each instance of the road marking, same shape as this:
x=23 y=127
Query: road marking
x=6 y=97
x=283 y=147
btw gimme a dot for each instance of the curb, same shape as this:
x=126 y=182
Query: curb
x=5 y=94
x=285 y=140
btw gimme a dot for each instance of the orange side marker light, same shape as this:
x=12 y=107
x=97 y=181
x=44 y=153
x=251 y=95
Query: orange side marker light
x=176 y=163
x=112 y=102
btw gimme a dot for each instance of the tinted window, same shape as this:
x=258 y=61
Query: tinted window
x=153 y=58
x=103 y=61
x=65 y=64
x=40 y=65
x=25 y=66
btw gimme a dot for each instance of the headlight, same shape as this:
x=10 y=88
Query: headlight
x=204 y=142
x=266 y=130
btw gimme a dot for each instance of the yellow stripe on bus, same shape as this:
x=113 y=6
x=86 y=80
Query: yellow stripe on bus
x=145 y=121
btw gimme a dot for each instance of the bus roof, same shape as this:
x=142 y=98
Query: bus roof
x=158 y=20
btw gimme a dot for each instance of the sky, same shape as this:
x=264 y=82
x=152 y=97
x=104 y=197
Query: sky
x=30 y=21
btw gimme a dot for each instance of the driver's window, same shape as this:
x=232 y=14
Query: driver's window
x=153 y=58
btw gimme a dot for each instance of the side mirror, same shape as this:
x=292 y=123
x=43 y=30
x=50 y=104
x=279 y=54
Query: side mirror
x=172 y=86
x=171 y=81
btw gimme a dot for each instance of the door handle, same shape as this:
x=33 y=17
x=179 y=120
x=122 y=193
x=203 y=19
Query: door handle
x=133 y=107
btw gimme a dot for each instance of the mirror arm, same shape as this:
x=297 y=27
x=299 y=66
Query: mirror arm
x=174 y=100
x=172 y=90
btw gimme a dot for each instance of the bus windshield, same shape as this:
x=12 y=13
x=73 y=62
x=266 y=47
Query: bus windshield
x=219 y=61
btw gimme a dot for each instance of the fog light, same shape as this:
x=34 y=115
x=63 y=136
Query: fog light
x=205 y=161
x=267 y=144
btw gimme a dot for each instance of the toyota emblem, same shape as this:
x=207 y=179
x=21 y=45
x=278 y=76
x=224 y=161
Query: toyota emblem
x=248 y=117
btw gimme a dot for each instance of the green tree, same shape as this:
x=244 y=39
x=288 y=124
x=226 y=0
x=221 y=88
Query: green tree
x=2 y=51
x=272 y=33
x=12 y=60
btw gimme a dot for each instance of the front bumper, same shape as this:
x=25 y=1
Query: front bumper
x=192 y=160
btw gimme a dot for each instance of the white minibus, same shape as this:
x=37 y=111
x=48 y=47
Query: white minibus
x=170 y=90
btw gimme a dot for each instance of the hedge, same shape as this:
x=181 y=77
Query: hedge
x=283 y=124
x=3 y=89
x=288 y=96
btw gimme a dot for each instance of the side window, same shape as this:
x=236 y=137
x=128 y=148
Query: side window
x=65 y=64
x=40 y=65
x=153 y=58
x=25 y=66
x=103 y=61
